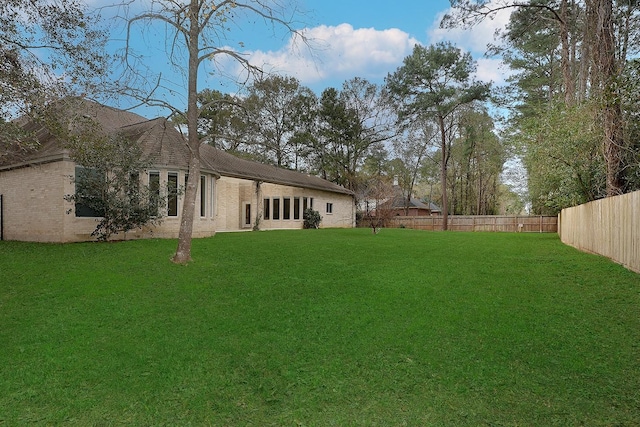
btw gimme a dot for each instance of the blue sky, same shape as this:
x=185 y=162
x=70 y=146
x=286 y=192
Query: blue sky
x=368 y=38
x=348 y=38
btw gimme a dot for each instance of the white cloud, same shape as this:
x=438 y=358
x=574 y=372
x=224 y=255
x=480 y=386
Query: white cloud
x=337 y=53
x=473 y=39
x=492 y=70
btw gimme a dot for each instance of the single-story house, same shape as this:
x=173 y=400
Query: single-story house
x=233 y=193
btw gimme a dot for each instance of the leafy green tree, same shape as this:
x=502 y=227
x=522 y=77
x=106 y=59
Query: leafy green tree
x=107 y=182
x=337 y=129
x=511 y=203
x=585 y=46
x=40 y=42
x=436 y=82
x=477 y=161
x=630 y=91
x=563 y=154
x=377 y=162
x=305 y=135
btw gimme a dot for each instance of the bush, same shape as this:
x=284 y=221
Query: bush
x=311 y=218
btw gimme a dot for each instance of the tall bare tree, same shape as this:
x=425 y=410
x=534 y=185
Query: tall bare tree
x=351 y=122
x=608 y=70
x=196 y=34
x=411 y=149
x=275 y=106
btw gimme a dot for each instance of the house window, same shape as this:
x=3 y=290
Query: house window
x=203 y=196
x=286 y=208
x=310 y=202
x=154 y=190
x=329 y=208
x=305 y=203
x=172 y=194
x=85 y=180
x=276 y=208
x=267 y=209
x=296 y=208
x=247 y=214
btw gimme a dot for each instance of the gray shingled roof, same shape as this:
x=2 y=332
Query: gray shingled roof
x=165 y=146
x=229 y=165
x=399 y=202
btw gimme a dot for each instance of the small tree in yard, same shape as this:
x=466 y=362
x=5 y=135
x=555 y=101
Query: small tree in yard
x=311 y=218
x=107 y=185
x=377 y=195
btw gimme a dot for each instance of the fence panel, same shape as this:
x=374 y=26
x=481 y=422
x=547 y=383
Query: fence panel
x=505 y=223
x=608 y=227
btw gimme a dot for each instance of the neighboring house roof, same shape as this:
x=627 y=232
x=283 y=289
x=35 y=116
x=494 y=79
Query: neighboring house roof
x=163 y=145
x=434 y=207
x=399 y=202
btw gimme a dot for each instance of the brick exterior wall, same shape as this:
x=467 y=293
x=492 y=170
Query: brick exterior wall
x=234 y=193
x=34 y=205
x=35 y=209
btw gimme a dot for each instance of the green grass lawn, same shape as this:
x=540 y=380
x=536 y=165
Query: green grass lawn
x=319 y=328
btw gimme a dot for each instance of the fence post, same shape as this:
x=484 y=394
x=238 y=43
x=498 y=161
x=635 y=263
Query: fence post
x=559 y=224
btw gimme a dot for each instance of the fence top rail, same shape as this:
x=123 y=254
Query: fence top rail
x=477 y=216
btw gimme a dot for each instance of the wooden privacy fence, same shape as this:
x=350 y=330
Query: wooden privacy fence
x=609 y=227
x=537 y=224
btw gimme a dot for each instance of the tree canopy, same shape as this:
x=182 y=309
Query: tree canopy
x=570 y=97
x=47 y=50
x=436 y=82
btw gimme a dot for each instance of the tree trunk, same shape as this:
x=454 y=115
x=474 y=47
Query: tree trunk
x=612 y=111
x=443 y=174
x=569 y=85
x=183 y=252
x=587 y=51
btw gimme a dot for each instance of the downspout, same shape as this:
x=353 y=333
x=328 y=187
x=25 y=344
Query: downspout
x=256 y=224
